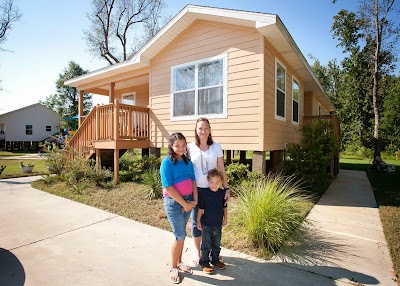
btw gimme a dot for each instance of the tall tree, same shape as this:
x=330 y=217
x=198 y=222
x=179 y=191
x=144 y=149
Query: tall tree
x=375 y=24
x=115 y=24
x=65 y=101
x=9 y=15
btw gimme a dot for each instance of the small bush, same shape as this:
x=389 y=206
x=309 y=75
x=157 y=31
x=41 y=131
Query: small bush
x=236 y=173
x=132 y=167
x=56 y=160
x=152 y=179
x=270 y=211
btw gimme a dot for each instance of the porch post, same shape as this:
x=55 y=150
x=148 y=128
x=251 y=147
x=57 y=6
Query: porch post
x=259 y=163
x=111 y=92
x=228 y=157
x=242 y=157
x=277 y=160
x=80 y=108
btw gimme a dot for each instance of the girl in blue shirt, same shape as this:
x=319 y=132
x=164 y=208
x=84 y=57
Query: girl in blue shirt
x=180 y=197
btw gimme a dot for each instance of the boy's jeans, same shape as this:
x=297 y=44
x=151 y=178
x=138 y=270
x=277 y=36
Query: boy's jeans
x=210 y=244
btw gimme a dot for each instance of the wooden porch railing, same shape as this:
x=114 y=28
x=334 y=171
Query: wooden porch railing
x=111 y=122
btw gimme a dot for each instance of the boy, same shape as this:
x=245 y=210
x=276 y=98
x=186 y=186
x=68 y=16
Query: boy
x=212 y=215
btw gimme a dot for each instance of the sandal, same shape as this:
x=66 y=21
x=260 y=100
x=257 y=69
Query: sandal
x=195 y=262
x=175 y=275
x=182 y=267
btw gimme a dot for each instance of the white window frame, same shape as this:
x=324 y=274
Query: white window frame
x=224 y=113
x=294 y=79
x=27 y=129
x=278 y=117
x=128 y=94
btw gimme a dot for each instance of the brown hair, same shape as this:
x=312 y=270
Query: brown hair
x=196 y=136
x=174 y=137
x=214 y=173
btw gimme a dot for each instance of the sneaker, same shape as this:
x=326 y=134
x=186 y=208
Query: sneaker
x=208 y=269
x=220 y=265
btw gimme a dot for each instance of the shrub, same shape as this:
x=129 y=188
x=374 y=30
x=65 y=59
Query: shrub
x=56 y=160
x=152 y=179
x=236 y=173
x=134 y=166
x=270 y=211
x=26 y=164
x=310 y=158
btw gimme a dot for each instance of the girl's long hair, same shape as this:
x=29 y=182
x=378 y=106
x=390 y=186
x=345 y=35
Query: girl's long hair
x=196 y=136
x=174 y=137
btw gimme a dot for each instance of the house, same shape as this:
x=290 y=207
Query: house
x=242 y=70
x=25 y=127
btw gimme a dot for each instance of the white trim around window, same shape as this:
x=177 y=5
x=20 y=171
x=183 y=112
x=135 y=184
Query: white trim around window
x=280 y=90
x=189 y=87
x=295 y=100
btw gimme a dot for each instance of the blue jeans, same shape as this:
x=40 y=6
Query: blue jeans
x=195 y=231
x=210 y=245
x=176 y=217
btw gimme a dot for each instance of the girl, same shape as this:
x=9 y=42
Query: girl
x=206 y=155
x=180 y=197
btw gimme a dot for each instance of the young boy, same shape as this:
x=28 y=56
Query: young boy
x=212 y=215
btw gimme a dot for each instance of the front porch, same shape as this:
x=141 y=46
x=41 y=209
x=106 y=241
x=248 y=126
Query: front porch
x=109 y=130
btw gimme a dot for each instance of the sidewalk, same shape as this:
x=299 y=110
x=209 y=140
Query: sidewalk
x=48 y=240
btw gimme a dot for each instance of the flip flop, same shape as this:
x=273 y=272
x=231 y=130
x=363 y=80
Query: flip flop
x=195 y=262
x=176 y=274
x=186 y=269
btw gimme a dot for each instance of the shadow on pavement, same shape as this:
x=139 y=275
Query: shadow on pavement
x=12 y=272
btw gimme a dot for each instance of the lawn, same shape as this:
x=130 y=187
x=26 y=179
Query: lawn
x=13 y=168
x=387 y=194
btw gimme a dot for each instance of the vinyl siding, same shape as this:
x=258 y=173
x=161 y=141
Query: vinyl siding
x=204 y=39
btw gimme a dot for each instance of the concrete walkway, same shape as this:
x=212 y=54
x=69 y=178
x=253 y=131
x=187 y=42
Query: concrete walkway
x=48 y=240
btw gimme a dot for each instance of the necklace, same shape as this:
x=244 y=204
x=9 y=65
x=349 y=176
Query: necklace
x=204 y=166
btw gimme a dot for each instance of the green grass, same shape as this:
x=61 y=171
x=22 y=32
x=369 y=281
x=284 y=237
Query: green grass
x=386 y=188
x=11 y=154
x=13 y=168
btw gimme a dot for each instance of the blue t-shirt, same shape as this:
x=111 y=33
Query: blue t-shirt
x=213 y=204
x=172 y=174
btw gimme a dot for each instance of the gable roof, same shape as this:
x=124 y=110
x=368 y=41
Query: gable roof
x=269 y=25
x=28 y=107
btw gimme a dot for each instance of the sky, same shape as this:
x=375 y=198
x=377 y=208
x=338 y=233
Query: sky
x=50 y=34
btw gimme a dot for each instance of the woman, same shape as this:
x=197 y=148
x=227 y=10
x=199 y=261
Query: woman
x=205 y=155
x=180 y=197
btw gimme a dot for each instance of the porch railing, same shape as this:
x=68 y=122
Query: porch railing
x=111 y=122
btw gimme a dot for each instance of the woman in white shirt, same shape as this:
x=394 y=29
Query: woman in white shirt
x=205 y=155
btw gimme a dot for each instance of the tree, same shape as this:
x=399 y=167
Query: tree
x=391 y=115
x=65 y=101
x=114 y=24
x=376 y=26
x=9 y=14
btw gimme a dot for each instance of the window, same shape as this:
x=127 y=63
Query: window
x=280 y=96
x=295 y=101
x=198 y=89
x=28 y=129
x=319 y=108
x=129 y=98
x=48 y=128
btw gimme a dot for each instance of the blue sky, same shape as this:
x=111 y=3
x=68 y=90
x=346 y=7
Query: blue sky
x=50 y=34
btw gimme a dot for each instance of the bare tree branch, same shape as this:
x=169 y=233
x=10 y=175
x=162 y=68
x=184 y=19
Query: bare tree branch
x=9 y=14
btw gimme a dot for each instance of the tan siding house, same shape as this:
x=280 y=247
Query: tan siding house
x=242 y=70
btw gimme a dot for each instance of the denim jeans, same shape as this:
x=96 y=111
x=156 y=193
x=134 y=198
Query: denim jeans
x=210 y=244
x=176 y=217
x=195 y=231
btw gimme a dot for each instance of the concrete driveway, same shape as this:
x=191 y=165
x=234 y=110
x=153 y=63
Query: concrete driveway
x=48 y=240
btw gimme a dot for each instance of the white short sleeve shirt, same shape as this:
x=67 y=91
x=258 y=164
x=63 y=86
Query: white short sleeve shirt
x=204 y=161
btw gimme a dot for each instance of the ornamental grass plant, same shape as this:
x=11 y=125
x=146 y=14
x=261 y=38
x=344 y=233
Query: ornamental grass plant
x=270 y=211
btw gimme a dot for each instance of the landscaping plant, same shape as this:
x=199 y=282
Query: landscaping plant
x=152 y=179
x=269 y=212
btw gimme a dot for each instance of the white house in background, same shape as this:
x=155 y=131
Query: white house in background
x=28 y=125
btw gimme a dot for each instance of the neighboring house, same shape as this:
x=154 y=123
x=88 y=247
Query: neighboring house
x=242 y=70
x=27 y=126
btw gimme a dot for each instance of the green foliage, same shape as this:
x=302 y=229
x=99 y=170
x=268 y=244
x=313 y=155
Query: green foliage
x=26 y=164
x=236 y=173
x=132 y=167
x=56 y=160
x=310 y=158
x=152 y=179
x=65 y=100
x=269 y=211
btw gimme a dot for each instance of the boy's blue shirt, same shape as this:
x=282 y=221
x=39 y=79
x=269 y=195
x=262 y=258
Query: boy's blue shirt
x=213 y=204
